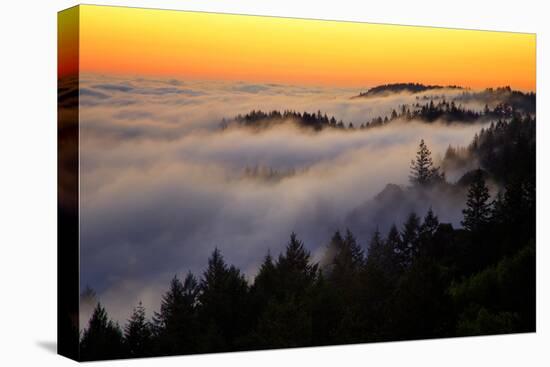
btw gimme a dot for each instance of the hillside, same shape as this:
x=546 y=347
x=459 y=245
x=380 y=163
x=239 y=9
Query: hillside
x=386 y=89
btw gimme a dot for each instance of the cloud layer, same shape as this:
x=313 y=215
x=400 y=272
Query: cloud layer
x=162 y=185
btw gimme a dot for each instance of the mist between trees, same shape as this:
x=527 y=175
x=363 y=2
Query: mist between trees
x=420 y=279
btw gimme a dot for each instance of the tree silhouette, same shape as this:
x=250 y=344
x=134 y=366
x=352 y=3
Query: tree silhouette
x=138 y=334
x=347 y=257
x=176 y=324
x=266 y=275
x=102 y=339
x=223 y=299
x=430 y=223
x=264 y=287
x=478 y=209
x=426 y=234
x=286 y=320
x=423 y=171
x=429 y=280
x=394 y=250
x=377 y=250
x=295 y=271
x=408 y=246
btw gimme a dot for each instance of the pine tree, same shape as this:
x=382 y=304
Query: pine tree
x=478 y=209
x=287 y=319
x=176 y=324
x=347 y=263
x=426 y=234
x=264 y=286
x=409 y=240
x=394 y=245
x=336 y=243
x=377 y=253
x=223 y=304
x=171 y=304
x=137 y=334
x=102 y=339
x=356 y=254
x=264 y=283
x=430 y=224
x=296 y=272
x=423 y=171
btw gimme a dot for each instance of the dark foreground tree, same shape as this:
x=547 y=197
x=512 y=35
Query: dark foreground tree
x=102 y=339
x=408 y=246
x=429 y=280
x=176 y=325
x=224 y=306
x=377 y=251
x=287 y=319
x=346 y=258
x=478 y=209
x=138 y=334
x=295 y=271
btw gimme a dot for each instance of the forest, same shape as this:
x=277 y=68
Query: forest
x=499 y=103
x=385 y=89
x=524 y=102
x=421 y=279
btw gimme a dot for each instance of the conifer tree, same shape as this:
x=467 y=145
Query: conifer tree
x=348 y=263
x=478 y=209
x=409 y=240
x=430 y=224
x=176 y=323
x=394 y=248
x=344 y=254
x=287 y=319
x=423 y=171
x=223 y=304
x=334 y=247
x=137 y=334
x=102 y=339
x=264 y=286
x=376 y=247
x=294 y=268
x=426 y=234
x=265 y=281
x=356 y=254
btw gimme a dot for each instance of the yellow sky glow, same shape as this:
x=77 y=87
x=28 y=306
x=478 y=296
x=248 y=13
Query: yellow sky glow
x=297 y=51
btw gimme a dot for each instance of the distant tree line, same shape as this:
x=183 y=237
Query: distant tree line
x=423 y=279
x=386 y=89
x=505 y=150
x=444 y=111
x=524 y=102
x=259 y=119
x=441 y=110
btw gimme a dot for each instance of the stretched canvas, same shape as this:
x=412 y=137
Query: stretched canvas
x=234 y=182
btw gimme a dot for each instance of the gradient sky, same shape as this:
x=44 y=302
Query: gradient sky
x=296 y=51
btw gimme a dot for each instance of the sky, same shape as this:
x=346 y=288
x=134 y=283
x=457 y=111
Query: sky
x=207 y=46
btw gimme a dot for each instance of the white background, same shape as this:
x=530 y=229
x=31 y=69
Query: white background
x=28 y=191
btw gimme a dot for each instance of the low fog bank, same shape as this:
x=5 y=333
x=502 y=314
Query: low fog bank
x=162 y=185
x=141 y=105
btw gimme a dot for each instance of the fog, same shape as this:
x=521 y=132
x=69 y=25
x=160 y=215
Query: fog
x=162 y=184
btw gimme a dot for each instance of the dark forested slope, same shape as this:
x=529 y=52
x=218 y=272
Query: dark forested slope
x=420 y=278
x=387 y=89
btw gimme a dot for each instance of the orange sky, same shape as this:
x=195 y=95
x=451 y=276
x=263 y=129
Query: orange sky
x=269 y=49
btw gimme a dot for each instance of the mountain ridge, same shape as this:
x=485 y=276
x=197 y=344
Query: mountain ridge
x=393 y=88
